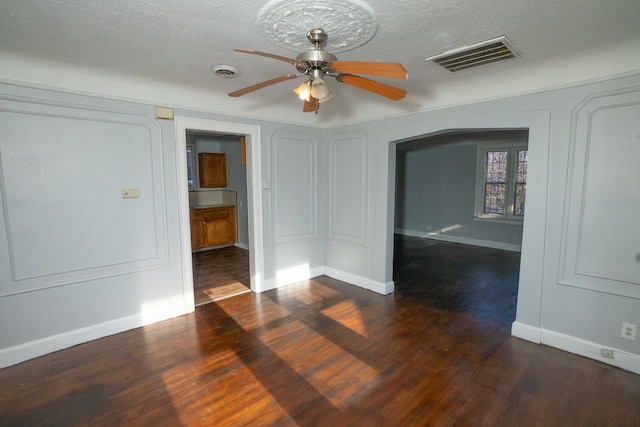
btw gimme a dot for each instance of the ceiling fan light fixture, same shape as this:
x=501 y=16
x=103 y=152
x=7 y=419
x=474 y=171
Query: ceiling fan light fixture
x=303 y=91
x=320 y=90
x=317 y=64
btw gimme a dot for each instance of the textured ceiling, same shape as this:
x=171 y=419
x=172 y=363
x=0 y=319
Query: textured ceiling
x=174 y=43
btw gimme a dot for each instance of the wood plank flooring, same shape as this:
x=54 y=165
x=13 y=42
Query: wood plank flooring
x=220 y=273
x=437 y=352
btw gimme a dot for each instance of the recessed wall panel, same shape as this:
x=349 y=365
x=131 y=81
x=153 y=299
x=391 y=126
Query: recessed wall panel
x=63 y=174
x=602 y=250
x=610 y=224
x=294 y=187
x=349 y=188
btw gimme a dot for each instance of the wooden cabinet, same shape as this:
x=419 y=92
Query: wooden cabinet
x=213 y=227
x=212 y=170
x=196 y=228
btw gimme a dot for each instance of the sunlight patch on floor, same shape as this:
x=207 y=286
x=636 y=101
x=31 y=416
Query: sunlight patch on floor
x=261 y=315
x=225 y=291
x=194 y=407
x=348 y=315
x=330 y=369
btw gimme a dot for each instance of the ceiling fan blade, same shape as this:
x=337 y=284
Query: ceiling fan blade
x=378 y=88
x=260 y=85
x=383 y=69
x=310 y=105
x=270 y=55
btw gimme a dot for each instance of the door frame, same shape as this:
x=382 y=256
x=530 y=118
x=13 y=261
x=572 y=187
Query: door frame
x=532 y=266
x=254 y=197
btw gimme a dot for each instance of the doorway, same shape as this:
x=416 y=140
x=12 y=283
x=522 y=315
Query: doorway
x=458 y=233
x=251 y=134
x=529 y=301
x=220 y=264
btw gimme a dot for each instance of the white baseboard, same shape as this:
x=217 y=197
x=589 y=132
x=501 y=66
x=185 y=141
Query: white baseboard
x=244 y=246
x=458 y=239
x=292 y=276
x=526 y=332
x=362 y=282
x=30 y=350
x=621 y=359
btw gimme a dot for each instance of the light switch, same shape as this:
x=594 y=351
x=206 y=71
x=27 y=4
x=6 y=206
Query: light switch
x=130 y=193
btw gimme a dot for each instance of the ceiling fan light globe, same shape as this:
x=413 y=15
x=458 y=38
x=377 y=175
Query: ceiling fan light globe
x=303 y=91
x=320 y=90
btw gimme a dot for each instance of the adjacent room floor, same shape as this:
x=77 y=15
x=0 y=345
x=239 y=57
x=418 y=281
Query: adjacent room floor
x=220 y=273
x=437 y=352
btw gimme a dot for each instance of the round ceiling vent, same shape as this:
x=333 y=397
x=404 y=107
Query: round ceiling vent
x=225 y=71
x=349 y=23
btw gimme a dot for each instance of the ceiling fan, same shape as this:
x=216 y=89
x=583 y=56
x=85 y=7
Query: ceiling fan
x=317 y=64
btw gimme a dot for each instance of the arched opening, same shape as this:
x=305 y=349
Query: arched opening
x=529 y=300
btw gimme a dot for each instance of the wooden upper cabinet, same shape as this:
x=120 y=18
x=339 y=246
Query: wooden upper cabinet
x=212 y=170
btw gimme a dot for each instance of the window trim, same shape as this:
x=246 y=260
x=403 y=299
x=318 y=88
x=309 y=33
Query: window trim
x=194 y=160
x=508 y=217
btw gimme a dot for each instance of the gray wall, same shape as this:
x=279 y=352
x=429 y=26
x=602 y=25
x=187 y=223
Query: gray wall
x=579 y=278
x=78 y=261
x=436 y=190
x=327 y=204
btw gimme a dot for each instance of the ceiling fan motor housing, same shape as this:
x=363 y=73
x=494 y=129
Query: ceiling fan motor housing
x=316 y=58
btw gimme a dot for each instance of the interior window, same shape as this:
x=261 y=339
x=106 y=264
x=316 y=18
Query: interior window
x=502 y=182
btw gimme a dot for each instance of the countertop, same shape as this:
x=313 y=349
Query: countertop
x=219 y=205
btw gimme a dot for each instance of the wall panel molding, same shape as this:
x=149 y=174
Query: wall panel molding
x=294 y=188
x=62 y=171
x=349 y=191
x=601 y=237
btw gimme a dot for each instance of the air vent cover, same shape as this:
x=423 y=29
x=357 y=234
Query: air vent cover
x=225 y=71
x=479 y=54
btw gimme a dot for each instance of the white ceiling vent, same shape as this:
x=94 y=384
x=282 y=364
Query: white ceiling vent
x=479 y=54
x=225 y=71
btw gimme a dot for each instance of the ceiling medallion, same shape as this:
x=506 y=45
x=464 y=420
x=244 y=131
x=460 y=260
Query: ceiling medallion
x=351 y=23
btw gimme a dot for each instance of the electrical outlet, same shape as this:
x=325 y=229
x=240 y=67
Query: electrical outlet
x=628 y=331
x=606 y=352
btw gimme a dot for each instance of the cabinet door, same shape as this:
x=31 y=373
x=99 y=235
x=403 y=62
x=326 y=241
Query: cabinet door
x=212 y=170
x=196 y=229
x=231 y=225
x=215 y=224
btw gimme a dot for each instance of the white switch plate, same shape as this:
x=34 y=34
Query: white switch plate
x=130 y=193
x=164 y=113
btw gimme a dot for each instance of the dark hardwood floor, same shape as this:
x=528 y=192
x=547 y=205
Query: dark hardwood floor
x=220 y=273
x=437 y=352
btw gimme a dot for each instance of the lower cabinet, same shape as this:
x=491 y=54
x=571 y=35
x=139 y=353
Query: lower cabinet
x=196 y=228
x=213 y=227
